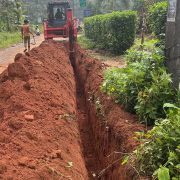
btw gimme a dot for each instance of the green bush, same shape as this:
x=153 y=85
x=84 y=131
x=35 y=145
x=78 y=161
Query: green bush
x=159 y=152
x=143 y=86
x=114 y=31
x=151 y=100
x=88 y=27
x=157 y=19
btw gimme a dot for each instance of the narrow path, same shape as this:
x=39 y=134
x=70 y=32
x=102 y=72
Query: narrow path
x=7 y=55
x=89 y=156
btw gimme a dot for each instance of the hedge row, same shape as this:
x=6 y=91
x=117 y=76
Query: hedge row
x=114 y=31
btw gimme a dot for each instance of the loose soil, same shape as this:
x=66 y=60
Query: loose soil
x=50 y=126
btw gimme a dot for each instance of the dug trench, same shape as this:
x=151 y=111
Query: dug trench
x=56 y=123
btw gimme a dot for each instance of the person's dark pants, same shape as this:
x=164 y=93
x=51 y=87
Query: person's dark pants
x=27 y=40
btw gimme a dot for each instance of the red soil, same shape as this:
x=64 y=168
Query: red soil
x=38 y=129
x=48 y=128
x=113 y=131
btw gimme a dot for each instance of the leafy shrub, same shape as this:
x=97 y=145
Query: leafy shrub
x=150 y=102
x=143 y=86
x=159 y=150
x=157 y=19
x=114 y=31
x=133 y=55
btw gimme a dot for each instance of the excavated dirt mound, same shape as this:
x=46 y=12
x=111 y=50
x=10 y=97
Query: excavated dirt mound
x=55 y=123
x=39 y=138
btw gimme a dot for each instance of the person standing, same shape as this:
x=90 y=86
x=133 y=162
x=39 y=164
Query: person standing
x=26 y=35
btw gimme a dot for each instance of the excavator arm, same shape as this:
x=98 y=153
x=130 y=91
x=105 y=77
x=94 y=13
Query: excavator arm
x=72 y=29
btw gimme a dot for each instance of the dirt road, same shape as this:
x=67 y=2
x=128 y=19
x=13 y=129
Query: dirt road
x=7 y=55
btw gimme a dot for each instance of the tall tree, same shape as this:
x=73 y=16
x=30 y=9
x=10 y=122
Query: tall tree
x=116 y=5
x=10 y=13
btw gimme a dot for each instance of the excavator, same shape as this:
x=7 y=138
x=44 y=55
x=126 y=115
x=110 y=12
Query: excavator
x=60 y=23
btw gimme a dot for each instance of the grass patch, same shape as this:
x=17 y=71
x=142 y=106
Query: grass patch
x=85 y=42
x=149 y=42
x=8 y=39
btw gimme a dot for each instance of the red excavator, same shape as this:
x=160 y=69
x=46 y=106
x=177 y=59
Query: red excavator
x=60 y=23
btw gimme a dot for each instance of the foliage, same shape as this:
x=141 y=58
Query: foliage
x=14 y=37
x=157 y=19
x=8 y=39
x=11 y=15
x=35 y=9
x=163 y=173
x=115 y=5
x=139 y=4
x=143 y=86
x=114 y=31
x=150 y=101
x=85 y=42
x=159 y=152
x=95 y=7
x=148 y=44
x=107 y=6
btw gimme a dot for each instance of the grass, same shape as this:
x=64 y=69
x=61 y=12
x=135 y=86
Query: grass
x=148 y=44
x=8 y=39
x=85 y=42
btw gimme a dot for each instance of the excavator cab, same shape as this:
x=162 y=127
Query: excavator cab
x=59 y=21
x=57 y=14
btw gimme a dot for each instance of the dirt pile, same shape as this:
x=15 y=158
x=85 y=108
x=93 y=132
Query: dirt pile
x=39 y=138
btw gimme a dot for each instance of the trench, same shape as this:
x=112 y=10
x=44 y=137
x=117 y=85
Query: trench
x=86 y=145
x=98 y=137
x=43 y=82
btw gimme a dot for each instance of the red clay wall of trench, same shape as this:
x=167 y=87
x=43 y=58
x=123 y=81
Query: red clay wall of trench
x=115 y=131
x=39 y=138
